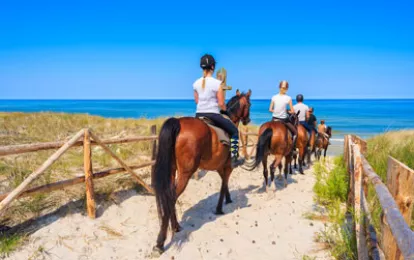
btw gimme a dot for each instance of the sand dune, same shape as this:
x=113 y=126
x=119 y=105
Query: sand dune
x=257 y=225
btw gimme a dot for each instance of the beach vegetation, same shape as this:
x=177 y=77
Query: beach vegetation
x=330 y=191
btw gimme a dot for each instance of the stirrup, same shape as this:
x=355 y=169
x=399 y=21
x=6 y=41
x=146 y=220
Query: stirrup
x=236 y=162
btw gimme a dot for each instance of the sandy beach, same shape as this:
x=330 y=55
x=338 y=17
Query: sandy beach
x=257 y=225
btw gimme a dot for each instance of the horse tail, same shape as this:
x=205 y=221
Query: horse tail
x=161 y=178
x=263 y=145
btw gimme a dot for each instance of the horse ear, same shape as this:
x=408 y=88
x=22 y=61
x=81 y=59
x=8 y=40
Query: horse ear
x=298 y=113
x=249 y=93
x=237 y=92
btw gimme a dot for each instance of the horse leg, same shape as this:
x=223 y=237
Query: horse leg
x=288 y=159
x=277 y=162
x=265 y=172
x=324 y=153
x=225 y=176
x=301 y=159
x=294 y=160
x=280 y=171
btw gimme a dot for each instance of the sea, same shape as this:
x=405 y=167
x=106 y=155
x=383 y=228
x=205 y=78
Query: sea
x=363 y=117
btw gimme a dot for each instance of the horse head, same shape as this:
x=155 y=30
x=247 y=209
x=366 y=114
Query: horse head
x=294 y=118
x=238 y=107
x=329 y=131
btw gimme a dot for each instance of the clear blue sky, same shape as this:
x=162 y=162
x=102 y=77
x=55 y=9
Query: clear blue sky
x=151 y=49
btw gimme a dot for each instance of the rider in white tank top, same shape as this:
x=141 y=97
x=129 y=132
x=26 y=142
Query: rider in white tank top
x=207 y=96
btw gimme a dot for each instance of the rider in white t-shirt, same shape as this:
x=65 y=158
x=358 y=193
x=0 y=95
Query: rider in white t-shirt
x=209 y=97
x=278 y=107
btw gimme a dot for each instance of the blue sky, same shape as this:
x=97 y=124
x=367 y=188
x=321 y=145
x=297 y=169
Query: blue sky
x=134 y=50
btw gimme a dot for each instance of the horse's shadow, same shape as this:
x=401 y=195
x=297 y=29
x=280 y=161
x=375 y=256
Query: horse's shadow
x=203 y=212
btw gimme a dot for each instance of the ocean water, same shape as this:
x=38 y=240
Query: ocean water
x=362 y=117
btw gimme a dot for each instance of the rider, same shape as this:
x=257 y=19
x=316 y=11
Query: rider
x=311 y=120
x=322 y=129
x=209 y=97
x=278 y=108
x=300 y=106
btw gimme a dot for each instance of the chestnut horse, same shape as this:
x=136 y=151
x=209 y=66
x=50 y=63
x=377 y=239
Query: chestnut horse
x=185 y=145
x=312 y=146
x=274 y=138
x=302 y=145
x=323 y=143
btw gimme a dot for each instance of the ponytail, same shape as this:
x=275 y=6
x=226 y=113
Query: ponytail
x=203 y=84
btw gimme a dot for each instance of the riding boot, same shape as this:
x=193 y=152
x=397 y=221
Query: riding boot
x=234 y=149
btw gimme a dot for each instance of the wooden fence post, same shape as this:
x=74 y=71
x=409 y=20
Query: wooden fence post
x=358 y=218
x=154 y=147
x=87 y=166
x=17 y=191
x=400 y=183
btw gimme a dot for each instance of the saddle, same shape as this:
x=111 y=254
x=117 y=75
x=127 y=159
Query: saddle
x=222 y=135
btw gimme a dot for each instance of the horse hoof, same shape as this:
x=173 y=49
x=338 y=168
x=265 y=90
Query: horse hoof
x=229 y=201
x=219 y=212
x=157 y=252
x=178 y=228
x=301 y=172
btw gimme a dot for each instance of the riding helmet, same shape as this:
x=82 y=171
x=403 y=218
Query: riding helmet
x=299 y=98
x=207 y=61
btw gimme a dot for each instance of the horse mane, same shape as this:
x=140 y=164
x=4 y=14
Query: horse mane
x=233 y=104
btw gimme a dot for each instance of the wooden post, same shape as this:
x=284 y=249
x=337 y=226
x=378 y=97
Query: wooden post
x=87 y=167
x=126 y=167
x=154 y=147
x=16 y=192
x=359 y=231
x=400 y=183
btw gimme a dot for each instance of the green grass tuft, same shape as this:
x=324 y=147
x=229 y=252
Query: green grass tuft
x=8 y=243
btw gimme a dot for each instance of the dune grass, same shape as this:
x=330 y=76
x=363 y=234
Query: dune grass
x=20 y=128
x=399 y=145
x=330 y=190
x=23 y=128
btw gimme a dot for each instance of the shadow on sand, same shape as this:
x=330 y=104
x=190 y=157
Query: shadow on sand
x=203 y=212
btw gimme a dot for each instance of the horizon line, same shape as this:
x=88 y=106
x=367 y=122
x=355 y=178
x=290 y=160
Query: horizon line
x=185 y=99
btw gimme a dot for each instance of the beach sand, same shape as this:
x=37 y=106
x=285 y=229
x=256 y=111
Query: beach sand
x=257 y=225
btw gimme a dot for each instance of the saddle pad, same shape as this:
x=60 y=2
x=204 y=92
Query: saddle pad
x=221 y=134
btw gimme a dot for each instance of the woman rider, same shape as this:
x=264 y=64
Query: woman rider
x=209 y=97
x=278 y=108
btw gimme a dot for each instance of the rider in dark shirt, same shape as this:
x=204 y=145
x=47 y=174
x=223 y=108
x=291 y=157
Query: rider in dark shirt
x=311 y=119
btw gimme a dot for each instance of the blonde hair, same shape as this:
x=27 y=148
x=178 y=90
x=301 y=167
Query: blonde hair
x=203 y=84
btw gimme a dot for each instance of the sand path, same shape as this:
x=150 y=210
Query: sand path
x=257 y=225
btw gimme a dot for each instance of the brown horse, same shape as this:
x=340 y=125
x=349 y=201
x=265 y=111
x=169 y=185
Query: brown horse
x=302 y=145
x=312 y=146
x=274 y=138
x=322 y=143
x=185 y=145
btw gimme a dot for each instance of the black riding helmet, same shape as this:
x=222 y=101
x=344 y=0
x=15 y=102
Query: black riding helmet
x=299 y=98
x=207 y=62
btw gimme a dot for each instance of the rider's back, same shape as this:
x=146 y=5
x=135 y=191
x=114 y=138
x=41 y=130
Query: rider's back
x=279 y=105
x=303 y=109
x=207 y=96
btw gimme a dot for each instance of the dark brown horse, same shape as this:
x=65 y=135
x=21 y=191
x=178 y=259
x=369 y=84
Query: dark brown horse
x=302 y=145
x=185 y=145
x=274 y=138
x=322 y=143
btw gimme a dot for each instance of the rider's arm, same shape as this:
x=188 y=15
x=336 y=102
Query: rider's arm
x=292 y=111
x=271 y=107
x=196 y=96
x=220 y=99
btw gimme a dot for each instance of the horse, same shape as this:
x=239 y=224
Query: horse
x=312 y=146
x=302 y=145
x=274 y=138
x=185 y=145
x=323 y=143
